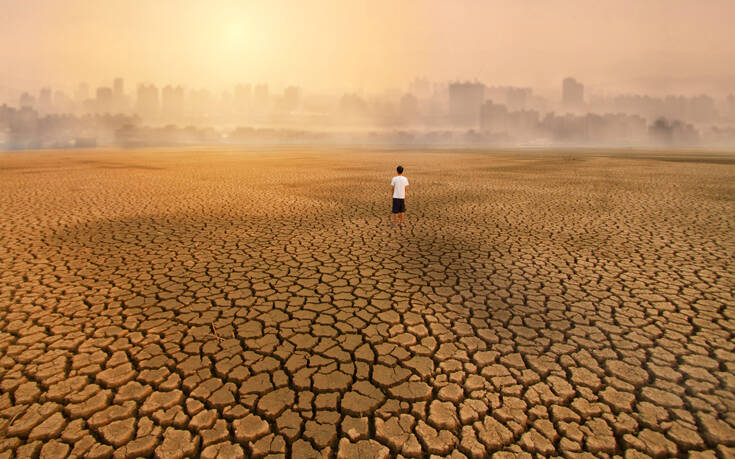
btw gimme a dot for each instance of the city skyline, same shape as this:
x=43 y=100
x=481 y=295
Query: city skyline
x=652 y=47
x=449 y=97
x=427 y=113
x=495 y=72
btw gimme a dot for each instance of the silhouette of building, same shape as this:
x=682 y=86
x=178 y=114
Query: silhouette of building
x=382 y=110
x=147 y=102
x=225 y=104
x=24 y=128
x=517 y=98
x=512 y=97
x=82 y=94
x=702 y=109
x=352 y=107
x=730 y=106
x=5 y=114
x=242 y=99
x=201 y=103
x=465 y=100
x=675 y=107
x=494 y=117
x=118 y=95
x=173 y=102
x=62 y=103
x=261 y=99
x=45 y=104
x=572 y=94
x=26 y=101
x=291 y=98
x=103 y=100
x=525 y=123
x=420 y=87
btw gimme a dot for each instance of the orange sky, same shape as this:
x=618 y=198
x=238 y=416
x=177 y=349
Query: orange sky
x=369 y=44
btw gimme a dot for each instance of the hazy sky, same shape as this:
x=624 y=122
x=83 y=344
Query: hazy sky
x=369 y=44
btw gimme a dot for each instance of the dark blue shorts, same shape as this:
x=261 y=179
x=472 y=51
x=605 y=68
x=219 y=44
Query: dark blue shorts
x=399 y=205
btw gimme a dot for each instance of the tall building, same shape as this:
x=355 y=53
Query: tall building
x=147 y=103
x=494 y=117
x=730 y=106
x=103 y=101
x=352 y=106
x=118 y=86
x=242 y=98
x=62 y=104
x=201 y=103
x=45 y=105
x=512 y=97
x=572 y=93
x=118 y=95
x=518 y=98
x=173 y=102
x=82 y=94
x=27 y=101
x=420 y=87
x=465 y=100
x=291 y=98
x=226 y=105
x=261 y=98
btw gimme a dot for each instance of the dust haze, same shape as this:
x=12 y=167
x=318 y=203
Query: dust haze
x=507 y=73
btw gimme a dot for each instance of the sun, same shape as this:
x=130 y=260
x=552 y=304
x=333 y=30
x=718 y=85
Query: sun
x=234 y=32
x=231 y=38
x=231 y=45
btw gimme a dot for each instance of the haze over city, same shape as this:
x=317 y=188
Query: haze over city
x=334 y=45
x=505 y=72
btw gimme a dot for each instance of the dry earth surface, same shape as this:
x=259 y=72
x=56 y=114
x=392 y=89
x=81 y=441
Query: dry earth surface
x=257 y=303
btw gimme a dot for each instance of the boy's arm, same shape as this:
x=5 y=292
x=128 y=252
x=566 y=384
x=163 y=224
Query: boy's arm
x=392 y=189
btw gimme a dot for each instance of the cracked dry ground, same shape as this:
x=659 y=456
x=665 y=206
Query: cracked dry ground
x=256 y=303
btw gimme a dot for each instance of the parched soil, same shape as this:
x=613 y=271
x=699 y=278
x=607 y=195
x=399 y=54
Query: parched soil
x=245 y=303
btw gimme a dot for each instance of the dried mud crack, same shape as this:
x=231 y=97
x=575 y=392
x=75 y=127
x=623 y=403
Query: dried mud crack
x=257 y=303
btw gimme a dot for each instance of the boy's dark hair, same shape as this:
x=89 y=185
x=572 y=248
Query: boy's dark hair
x=400 y=169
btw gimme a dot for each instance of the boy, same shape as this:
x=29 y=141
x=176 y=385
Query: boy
x=399 y=183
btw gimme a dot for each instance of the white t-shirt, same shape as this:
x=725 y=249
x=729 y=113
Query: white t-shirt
x=399 y=183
